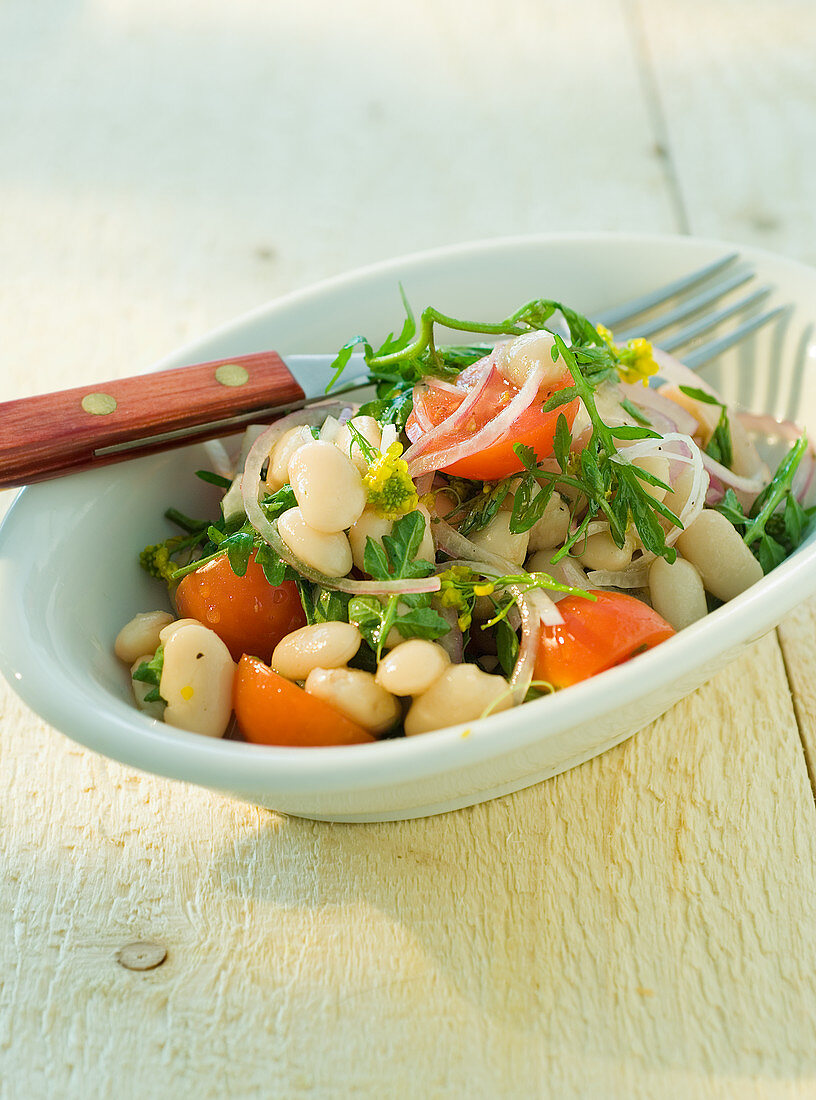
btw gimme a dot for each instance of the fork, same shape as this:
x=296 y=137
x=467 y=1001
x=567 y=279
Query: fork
x=91 y=426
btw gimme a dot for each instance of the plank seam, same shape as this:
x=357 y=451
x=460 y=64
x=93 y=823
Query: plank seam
x=656 y=112
x=810 y=764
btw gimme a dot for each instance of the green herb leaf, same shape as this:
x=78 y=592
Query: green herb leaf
x=634 y=411
x=214 y=479
x=562 y=441
x=699 y=395
x=559 y=398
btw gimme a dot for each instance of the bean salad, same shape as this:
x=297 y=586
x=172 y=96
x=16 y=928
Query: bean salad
x=502 y=520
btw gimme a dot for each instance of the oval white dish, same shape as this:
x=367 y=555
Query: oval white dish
x=69 y=577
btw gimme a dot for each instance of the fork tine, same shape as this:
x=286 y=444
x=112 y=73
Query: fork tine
x=612 y=317
x=704 y=354
x=711 y=320
x=687 y=307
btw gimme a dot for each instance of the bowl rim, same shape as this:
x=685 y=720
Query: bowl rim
x=239 y=765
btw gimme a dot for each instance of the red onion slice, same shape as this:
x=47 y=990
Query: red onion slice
x=656 y=407
x=429 y=440
x=420 y=461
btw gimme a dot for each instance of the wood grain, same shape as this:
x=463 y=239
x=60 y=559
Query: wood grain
x=640 y=927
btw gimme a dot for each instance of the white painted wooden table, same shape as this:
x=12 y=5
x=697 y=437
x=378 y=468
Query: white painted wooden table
x=643 y=926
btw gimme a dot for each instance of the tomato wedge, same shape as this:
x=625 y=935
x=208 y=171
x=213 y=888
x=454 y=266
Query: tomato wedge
x=248 y=614
x=271 y=710
x=532 y=427
x=596 y=635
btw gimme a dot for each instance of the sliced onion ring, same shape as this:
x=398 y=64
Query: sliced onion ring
x=485 y=437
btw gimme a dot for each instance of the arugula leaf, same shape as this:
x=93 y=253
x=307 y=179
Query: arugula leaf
x=484 y=508
x=634 y=411
x=213 y=479
x=562 y=441
x=559 y=398
x=719 y=447
x=395 y=557
x=507 y=646
x=149 y=672
x=777 y=522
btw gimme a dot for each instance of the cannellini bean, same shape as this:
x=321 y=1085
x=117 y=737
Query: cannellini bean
x=461 y=694
x=746 y=457
x=322 y=645
x=278 y=473
x=566 y=570
x=330 y=553
x=677 y=499
x=552 y=528
x=517 y=358
x=369 y=429
x=658 y=465
x=721 y=557
x=370 y=525
x=140 y=635
x=327 y=486
x=166 y=633
x=197 y=680
x=411 y=667
x=601 y=552
x=357 y=695
x=154 y=709
x=677 y=592
x=497 y=538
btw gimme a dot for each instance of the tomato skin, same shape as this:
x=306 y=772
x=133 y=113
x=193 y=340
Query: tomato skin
x=533 y=427
x=247 y=613
x=271 y=710
x=596 y=635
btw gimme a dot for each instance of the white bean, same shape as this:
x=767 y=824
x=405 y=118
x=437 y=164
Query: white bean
x=722 y=559
x=368 y=526
x=677 y=592
x=278 y=473
x=196 y=680
x=566 y=570
x=369 y=429
x=167 y=632
x=517 y=359
x=601 y=552
x=140 y=635
x=677 y=499
x=327 y=486
x=552 y=528
x=153 y=709
x=357 y=695
x=658 y=465
x=461 y=694
x=497 y=538
x=329 y=553
x=321 y=645
x=411 y=667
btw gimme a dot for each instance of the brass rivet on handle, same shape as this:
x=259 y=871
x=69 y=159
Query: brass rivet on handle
x=98 y=404
x=231 y=374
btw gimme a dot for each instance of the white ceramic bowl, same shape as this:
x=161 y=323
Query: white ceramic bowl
x=69 y=577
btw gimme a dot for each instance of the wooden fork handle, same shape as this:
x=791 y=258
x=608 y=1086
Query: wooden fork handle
x=61 y=433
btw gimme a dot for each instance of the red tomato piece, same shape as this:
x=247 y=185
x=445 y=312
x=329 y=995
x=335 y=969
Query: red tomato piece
x=248 y=614
x=271 y=710
x=532 y=427
x=596 y=635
